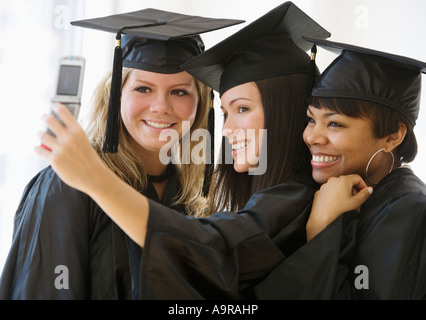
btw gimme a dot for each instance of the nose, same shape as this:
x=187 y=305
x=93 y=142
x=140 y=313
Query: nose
x=161 y=104
x=231 y=129
x=314 y=135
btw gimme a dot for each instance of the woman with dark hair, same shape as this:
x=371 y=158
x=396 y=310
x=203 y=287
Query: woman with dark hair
x=361 y=119
x=283 y=117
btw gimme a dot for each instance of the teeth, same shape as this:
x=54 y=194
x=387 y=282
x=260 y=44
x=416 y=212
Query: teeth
x=159 y=125
x=239 y=145
x=324 y=158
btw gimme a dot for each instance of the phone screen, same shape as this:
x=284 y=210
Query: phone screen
x=68 y=80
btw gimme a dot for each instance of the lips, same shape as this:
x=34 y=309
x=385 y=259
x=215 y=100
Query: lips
x=159 y=125
x=322 y=158
x=322 y=161
x=239 y=145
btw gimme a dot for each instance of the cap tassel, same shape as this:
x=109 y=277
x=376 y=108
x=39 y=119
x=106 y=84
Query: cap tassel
x=113 y=119
x=208 y=173
x=310 y=78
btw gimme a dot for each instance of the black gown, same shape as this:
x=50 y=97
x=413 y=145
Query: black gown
x=225 y=255
x=379 y=253
x=65 y=247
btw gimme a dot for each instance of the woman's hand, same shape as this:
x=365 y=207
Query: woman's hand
x=336 y=196
x=76 y=162
x=70 y=153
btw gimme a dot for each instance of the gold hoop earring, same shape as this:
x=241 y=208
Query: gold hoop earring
x=371 y=159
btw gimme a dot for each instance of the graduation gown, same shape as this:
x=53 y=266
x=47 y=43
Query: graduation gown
x=65 y=247
x=224 y=255
x=379 y=253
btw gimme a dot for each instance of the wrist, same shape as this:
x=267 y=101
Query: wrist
x=99 y=177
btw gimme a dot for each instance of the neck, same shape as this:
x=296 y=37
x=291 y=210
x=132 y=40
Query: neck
x=151 y=161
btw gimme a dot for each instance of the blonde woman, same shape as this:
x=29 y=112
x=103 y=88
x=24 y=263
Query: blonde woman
x=64 y=246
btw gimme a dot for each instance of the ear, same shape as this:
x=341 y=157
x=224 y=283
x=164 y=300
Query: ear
x=395 y=139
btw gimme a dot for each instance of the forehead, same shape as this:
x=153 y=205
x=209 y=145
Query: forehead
x=327 y=114
x=247 y=91
x=161 y=78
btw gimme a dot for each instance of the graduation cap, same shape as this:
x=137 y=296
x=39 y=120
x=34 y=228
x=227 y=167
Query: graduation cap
x=366 y=74
x=153 y=40
x=270 y=46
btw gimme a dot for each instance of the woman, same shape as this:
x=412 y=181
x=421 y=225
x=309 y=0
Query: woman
x=219 y=256
x=361 y=120
x=64 y=246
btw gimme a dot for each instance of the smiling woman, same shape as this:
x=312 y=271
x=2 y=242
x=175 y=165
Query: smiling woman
x=362 y=114
x=154 y=103
x=58 y=225
x=344 y=134
x=244 y=123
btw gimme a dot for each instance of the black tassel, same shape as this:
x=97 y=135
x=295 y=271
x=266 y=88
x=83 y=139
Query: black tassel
x=310 y=78
x=208 y=173
x=113 y=119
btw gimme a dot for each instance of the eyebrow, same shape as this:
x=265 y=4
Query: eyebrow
x=185 y=84
x=325 y=115
x=236 y=99
x=240 y=98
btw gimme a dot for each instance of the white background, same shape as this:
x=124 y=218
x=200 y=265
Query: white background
x=34 y=34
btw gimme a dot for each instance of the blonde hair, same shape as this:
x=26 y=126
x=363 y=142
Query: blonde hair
x=126 y=163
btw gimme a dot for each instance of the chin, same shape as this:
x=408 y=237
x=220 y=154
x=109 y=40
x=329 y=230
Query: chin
x=320 y=178
x=240 y=168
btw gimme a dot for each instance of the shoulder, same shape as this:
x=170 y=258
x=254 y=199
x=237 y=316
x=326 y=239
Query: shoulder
x=47 y=182
x=299 y=187
x=46 y=193
x=399 y=183
x=401 y=194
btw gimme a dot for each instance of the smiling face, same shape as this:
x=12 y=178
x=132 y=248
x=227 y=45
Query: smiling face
x=244 y=119
x=340 y=145
x=153 y=103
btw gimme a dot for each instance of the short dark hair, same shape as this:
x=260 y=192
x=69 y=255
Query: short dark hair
x=284 y=104
x=385 y=121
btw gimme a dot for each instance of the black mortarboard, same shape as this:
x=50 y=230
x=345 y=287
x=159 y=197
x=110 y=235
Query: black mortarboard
x=361 y=73
x=268 y=47
x=153 y=40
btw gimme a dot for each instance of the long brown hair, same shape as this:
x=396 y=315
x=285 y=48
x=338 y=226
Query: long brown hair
x=284 y=105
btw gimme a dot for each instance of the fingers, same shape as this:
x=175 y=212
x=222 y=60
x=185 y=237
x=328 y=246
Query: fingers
x=357 y=182
x=64 y=114
x=362 y=196
x=47 y=140
x=351 y=191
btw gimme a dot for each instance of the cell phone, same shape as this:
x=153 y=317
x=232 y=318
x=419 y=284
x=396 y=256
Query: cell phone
x=70 y=83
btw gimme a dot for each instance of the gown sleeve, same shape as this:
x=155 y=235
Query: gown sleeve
x=224 y=255
x=49 y=254
x=377 y=254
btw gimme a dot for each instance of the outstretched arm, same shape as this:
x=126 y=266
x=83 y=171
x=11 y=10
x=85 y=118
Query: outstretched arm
x=336 y=196
x=75 y=161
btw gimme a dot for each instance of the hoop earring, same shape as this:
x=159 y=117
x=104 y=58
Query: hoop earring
x=371 y=159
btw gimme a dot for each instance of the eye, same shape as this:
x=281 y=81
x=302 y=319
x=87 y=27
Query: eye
x=242 y=109
x=143 y=89
x=334 y=124
x=179 y=92
x=309 y=120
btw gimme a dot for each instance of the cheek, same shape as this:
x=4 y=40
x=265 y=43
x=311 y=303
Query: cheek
x=356 y=153
x=187 y=111
x=130 y=106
